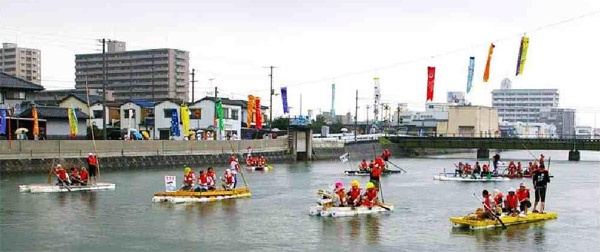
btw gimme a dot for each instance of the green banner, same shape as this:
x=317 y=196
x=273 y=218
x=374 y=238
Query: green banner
x=220 y=114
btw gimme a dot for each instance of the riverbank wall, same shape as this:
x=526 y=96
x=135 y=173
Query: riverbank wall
x=39 y=156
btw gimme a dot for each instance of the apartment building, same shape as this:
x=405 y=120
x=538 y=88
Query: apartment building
x=523 y=105
x=24 y=63
x=153 y=74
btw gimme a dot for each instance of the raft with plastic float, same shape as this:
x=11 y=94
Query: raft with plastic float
x=45 y=188
x=368 y=173
x=472 y=222
x=443 y=177
x=325 y=208
x=193 y=197
x=257 y=168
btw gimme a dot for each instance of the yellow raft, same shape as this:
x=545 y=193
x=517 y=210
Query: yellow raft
x=186 y=196
x=473 y=223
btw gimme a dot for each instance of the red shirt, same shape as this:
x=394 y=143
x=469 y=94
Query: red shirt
x=203 y=179
x=511 y=201
x=522 y=195
x=229 y=178
x=364 y=164
x=211 y=177
x=371 y=194
x=83 y=175
x=376 y=172
x=189 y=178
x=380 y=162
x=354 y=193
x=487 y=203
x=92 y=160
x=62 y=174
x=498 y=198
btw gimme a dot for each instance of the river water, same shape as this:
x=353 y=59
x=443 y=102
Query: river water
x=276 y=217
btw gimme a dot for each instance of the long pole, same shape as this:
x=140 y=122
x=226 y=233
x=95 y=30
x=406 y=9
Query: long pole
x=104 y=114
x=193 y=82
x=356 y=115
x=215 y=117
x=367 y=127
x=272 y=92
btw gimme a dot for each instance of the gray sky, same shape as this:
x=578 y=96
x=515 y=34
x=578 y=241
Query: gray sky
x=315 y=43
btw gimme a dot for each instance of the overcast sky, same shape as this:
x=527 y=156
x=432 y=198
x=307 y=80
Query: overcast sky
x=315 y=43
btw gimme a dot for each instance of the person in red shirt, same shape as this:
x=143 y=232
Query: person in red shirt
x=202 y=182
x=211 y=178
x=83 y=175
x=488 y=205
x=60 y=172
x=511 y=202
x=376 y=174
x=92 y=161
x=386 y=155
x=228 y=180
x=74 y=177
x=370 y=197
x=379 y=161
x=523 y=197
x=354 y=194
x=188 y=179
x=340 y=199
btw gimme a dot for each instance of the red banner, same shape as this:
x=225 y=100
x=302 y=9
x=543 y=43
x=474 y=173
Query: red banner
x=258 y=113
x=430 y=82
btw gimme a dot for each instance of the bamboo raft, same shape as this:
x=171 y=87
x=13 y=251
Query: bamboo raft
x=193 y=197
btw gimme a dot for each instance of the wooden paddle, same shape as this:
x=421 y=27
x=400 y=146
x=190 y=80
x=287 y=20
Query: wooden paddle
x=397 y=166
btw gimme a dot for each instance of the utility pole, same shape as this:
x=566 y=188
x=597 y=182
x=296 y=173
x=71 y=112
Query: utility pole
x=271 y=93
x=356 y=116
x=193 y=82
x=104 y=112
x=367 y=129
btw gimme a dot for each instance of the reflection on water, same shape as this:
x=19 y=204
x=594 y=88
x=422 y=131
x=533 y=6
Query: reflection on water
x=354 y=228
x=372 y=229
x=514 y=234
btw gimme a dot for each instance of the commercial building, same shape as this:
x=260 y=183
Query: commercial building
x=562 y=118
x=24 y=63
x=470 y=121
x=527 y=130
x=523 y=105
x=154 y=74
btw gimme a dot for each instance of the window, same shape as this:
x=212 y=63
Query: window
x=16 y=95
x=126 y=113
x=98 y=113
x=168 y=112
x=234 y=114
x=225 y=113
x=196 y=113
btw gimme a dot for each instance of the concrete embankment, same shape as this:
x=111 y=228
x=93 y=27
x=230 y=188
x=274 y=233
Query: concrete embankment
x=38 y=156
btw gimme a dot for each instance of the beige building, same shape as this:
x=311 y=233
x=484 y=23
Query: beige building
x=470 y=121
x=154 y=74
x=21 y=62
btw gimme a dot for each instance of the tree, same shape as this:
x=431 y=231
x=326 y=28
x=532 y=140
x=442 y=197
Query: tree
x=280 y=123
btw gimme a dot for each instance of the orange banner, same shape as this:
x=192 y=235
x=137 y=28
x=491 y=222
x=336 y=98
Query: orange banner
x=486 y=73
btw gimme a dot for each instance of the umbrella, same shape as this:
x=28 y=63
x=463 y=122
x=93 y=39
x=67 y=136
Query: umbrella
x=21 y=130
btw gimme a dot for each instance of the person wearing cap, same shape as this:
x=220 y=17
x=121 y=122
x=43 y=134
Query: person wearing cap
x=61 y=174
x=523 y=197
x=228 y=180
x=92 y=161
x=510 y=204
x=340 y=199
x=541 y=178
x=188 y=179
x=354 y=194
x=234 y=167
x=370 y=197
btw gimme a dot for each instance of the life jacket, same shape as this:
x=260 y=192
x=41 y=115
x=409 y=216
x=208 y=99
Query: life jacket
x=210 y=178
x=498 y=199
x=229 y=178
x=83 y=175
x=486 y=169
x=92 y=160
x=380 y=162
x=511 y=201
x=364 y=164
x=376 y=172
x=203 y=180
x=189 y=178
x=341 y=194
x=487 y=203
x=522 y=195
x=467 y=169
x=62 y=174
x=371 y=194
x=354 y=193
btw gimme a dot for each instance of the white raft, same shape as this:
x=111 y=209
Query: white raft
x=323 y=211
x=257 y=168
x=45 y=188
x=443 y=177
x=196 y=197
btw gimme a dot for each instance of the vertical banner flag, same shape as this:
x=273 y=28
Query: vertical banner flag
x=130 y=111
x=522 y=55
x=284 y=100
x=2 y=121
x=430 y=82
x=72 y=122
x=185 y=119
x=36 y=126
x=470 y=73
x=258 y=113
x=250 y=110
x=486 y=72
x=174 y=123
x=220 y=114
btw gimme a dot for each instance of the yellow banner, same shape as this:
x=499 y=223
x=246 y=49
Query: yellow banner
x=185 y=119
x=250 y=110
x=72 y=122
x=523 y=54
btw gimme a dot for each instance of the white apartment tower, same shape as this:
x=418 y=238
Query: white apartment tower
x=21 y=62
x=522 y=105
x=153 y=74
